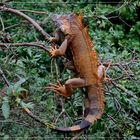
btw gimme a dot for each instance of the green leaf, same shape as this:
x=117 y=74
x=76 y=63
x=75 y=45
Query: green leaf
x=6 y=137
x=27 y=105
x=18 y=84
x=29 y=52
x=9 y=90
x=138 y=126
x=5 y=108
x=103 y=17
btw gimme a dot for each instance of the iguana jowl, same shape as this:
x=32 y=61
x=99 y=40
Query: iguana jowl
x=77 y=40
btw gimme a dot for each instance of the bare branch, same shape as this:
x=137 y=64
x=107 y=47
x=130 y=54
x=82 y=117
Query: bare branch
x=36 y=118
x=36 y=12
x=4 y=77
x=12 y=26
x=125 y=22
x=2 y=23
x=7 y=1
x=130 y=93
x=30 y=20
x=19 y=122
x=41 y=46
x=111 y=118
x=77 y=135
x=57 y=70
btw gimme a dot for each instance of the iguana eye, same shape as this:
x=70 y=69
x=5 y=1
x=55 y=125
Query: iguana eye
x=56 y=24
x=62 y=28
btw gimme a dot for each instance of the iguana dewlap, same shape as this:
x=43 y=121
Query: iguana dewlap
x=77 y=41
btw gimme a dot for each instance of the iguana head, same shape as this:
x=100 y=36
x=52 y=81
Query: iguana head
x=64 y=22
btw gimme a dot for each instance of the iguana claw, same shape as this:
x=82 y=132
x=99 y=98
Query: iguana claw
x=58 y=89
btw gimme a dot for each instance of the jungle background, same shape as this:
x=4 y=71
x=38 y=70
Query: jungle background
x=26 y=69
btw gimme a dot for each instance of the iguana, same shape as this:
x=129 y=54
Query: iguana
x=73 y=38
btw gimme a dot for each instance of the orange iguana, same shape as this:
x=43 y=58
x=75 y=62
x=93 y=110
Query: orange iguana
x=74 y=38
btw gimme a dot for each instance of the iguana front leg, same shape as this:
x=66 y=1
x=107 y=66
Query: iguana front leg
x=67 y=89
x=61 y=50
x=57 y=36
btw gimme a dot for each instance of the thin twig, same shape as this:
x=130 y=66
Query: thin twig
x=7 y=0
x=2 y=23
x=52 y=69
x=4 y=77
x=36 y=118
x=35 y=12
x=17 y=122
x=57 y=70
x=123 y=89
x=120 y=78
x=42 y=46
x=121 y=67
x=12 y=26
x=123 y=5
x=125 y=22
x=62 y=111
x=77 y=135
x=116 y=102
x=122 y=63
x=110 y=117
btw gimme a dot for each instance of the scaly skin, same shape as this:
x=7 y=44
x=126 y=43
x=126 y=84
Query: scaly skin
x=77 y=40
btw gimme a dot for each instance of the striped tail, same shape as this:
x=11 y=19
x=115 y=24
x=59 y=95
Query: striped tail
x=94 y=110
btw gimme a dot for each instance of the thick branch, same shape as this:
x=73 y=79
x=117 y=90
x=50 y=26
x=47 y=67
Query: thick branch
x=30 y=20
x=42 y=46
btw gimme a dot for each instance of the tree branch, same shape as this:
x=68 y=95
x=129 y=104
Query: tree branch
x=2 y=24
x=4 y=77
x=19 y=122
x=41 y=46
x=130 y=93
x=36 y=12
x=30 y=20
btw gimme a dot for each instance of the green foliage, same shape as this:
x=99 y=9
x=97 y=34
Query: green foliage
x=114 y=28
x=5 y=107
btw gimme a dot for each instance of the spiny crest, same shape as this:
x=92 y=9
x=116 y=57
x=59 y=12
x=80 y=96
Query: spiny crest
x=101 y=98
x=76 y=19
x=86 y=32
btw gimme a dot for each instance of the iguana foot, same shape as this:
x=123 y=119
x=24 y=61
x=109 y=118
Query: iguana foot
x=107 y=80
x=58 y=89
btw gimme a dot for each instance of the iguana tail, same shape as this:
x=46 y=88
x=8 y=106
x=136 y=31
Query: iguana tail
x=94 y=110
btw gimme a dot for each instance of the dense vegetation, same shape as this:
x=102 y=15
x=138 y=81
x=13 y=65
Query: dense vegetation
x=115 y=30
